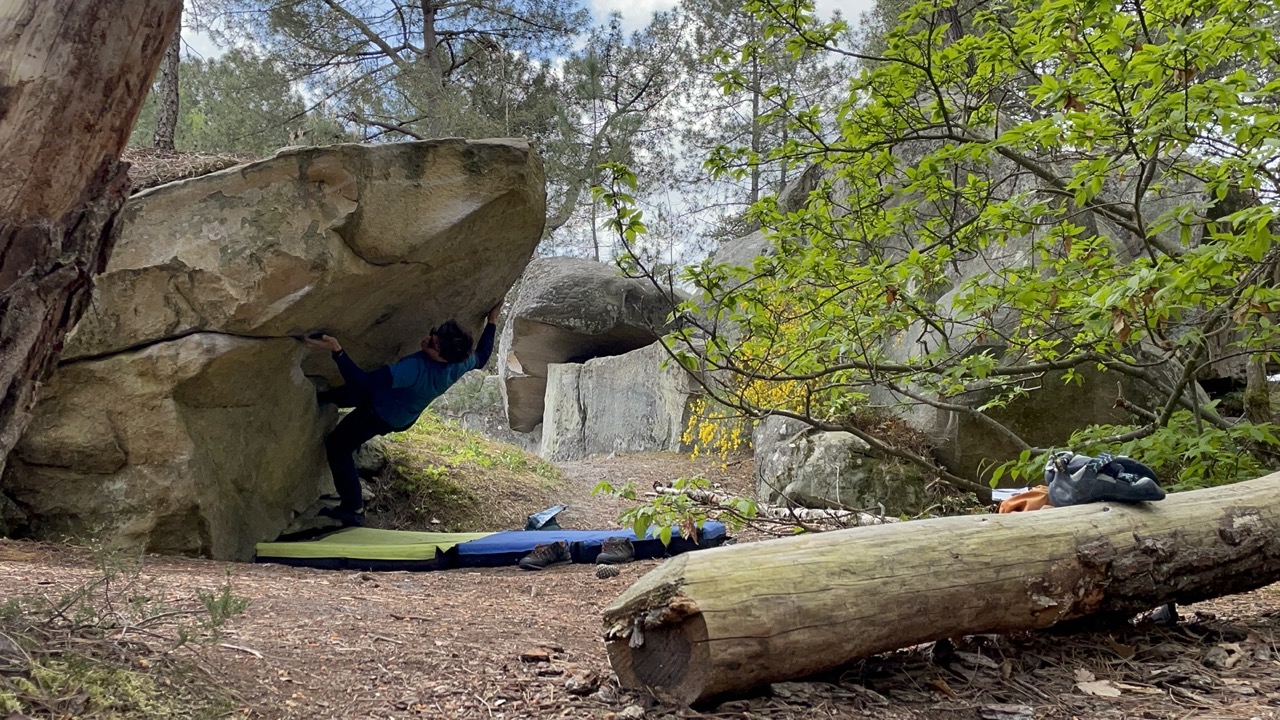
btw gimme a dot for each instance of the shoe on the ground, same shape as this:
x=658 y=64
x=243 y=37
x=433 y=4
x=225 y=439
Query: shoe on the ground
x=348 y=518
x=616 y=550
x=544 y=555
x=1076 y=479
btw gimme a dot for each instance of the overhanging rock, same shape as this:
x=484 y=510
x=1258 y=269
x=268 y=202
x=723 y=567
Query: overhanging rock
x=181 y=418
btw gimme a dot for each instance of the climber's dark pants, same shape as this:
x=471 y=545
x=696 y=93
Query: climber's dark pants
x=357 y=428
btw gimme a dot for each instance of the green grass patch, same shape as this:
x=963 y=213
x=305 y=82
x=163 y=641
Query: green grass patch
x=442 y=477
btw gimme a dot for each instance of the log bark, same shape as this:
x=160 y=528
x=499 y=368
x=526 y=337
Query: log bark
x=73 y=77
x=726 y=620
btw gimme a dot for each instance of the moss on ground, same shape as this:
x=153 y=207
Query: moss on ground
x=112 y=648
x=444 y=478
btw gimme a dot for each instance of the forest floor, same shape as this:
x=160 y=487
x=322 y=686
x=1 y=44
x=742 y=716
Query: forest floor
x=506 y=643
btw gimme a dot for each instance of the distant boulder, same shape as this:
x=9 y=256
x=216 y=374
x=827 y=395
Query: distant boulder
x=572 y=310
x=797 y=465
x=634 y=402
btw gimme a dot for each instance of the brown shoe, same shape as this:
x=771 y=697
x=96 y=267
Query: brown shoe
x=615 y=551
x=544 y=555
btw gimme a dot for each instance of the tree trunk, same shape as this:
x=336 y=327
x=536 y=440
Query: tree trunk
x=73 y=76
x=167 y=95
x=1257 y=392
x=757 y=133
x=727 y=620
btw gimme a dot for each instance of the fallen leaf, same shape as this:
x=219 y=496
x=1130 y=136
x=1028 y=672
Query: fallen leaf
x=1101 y=688
x=1125 y=652
x=941 y=686
x=1083 y=675
x=1140 y=689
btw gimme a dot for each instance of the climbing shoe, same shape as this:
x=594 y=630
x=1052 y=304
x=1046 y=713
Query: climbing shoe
x=1075 y=479
x=348 y=518
x=615 y=551
x=544 y=555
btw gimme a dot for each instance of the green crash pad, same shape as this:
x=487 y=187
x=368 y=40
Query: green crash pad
x=370 y=544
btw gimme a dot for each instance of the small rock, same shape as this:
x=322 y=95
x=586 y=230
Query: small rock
x=1006 y=712
x=606 y=695
x=1216 y=658
x=536 y=655
x=582 y=683
x=631 y=712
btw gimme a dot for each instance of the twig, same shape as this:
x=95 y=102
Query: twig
x=251 y=651
x=774 y=512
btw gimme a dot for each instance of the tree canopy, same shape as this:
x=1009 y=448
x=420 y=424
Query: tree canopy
x=1015 y=194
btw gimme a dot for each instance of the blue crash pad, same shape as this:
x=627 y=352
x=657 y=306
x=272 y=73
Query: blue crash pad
x=506 y=548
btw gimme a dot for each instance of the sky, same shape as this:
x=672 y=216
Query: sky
x=635 y=13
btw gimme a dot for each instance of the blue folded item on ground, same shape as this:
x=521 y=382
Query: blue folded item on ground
x=546 y=519
x=1075 y=479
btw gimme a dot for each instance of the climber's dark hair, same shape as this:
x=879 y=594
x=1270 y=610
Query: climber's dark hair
x=455 y=343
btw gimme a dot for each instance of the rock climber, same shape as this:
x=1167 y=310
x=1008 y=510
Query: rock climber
x=391 y=398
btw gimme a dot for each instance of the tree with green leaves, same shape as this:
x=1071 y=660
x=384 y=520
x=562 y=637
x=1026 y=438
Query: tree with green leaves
x=239 y=103
x=615 y=105
x=392 y=66
x=1067 y=193
x=742 y=87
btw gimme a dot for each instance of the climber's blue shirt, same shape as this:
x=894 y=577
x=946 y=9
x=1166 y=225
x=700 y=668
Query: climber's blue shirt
x=398 y=393
x=416 y=380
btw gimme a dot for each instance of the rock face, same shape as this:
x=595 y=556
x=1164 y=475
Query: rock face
x=571 y=310
x=625 y=403
x=182 y=418
x=797 y=465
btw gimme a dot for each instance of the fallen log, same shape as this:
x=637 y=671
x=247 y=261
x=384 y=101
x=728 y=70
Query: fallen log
x=730 y=619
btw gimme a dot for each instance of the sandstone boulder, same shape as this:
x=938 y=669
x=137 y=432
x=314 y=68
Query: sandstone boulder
x=182 y=418
x=797 y=465
x=571 y=310
x=634 y=402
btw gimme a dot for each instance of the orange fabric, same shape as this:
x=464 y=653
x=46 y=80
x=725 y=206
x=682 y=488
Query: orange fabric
x=1033 y=499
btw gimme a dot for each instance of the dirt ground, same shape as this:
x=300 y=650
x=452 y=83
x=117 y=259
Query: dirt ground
x=506 y=643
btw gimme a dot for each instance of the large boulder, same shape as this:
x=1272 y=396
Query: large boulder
x=182 y=418
x=634 y=402
x=572 y=310
x=797 y=465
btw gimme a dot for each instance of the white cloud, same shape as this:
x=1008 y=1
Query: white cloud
x=200 y=44
x=850 y=9
x=635 y=13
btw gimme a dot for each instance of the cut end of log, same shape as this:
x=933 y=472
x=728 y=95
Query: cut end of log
x=660 y=648
x=656 y=637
